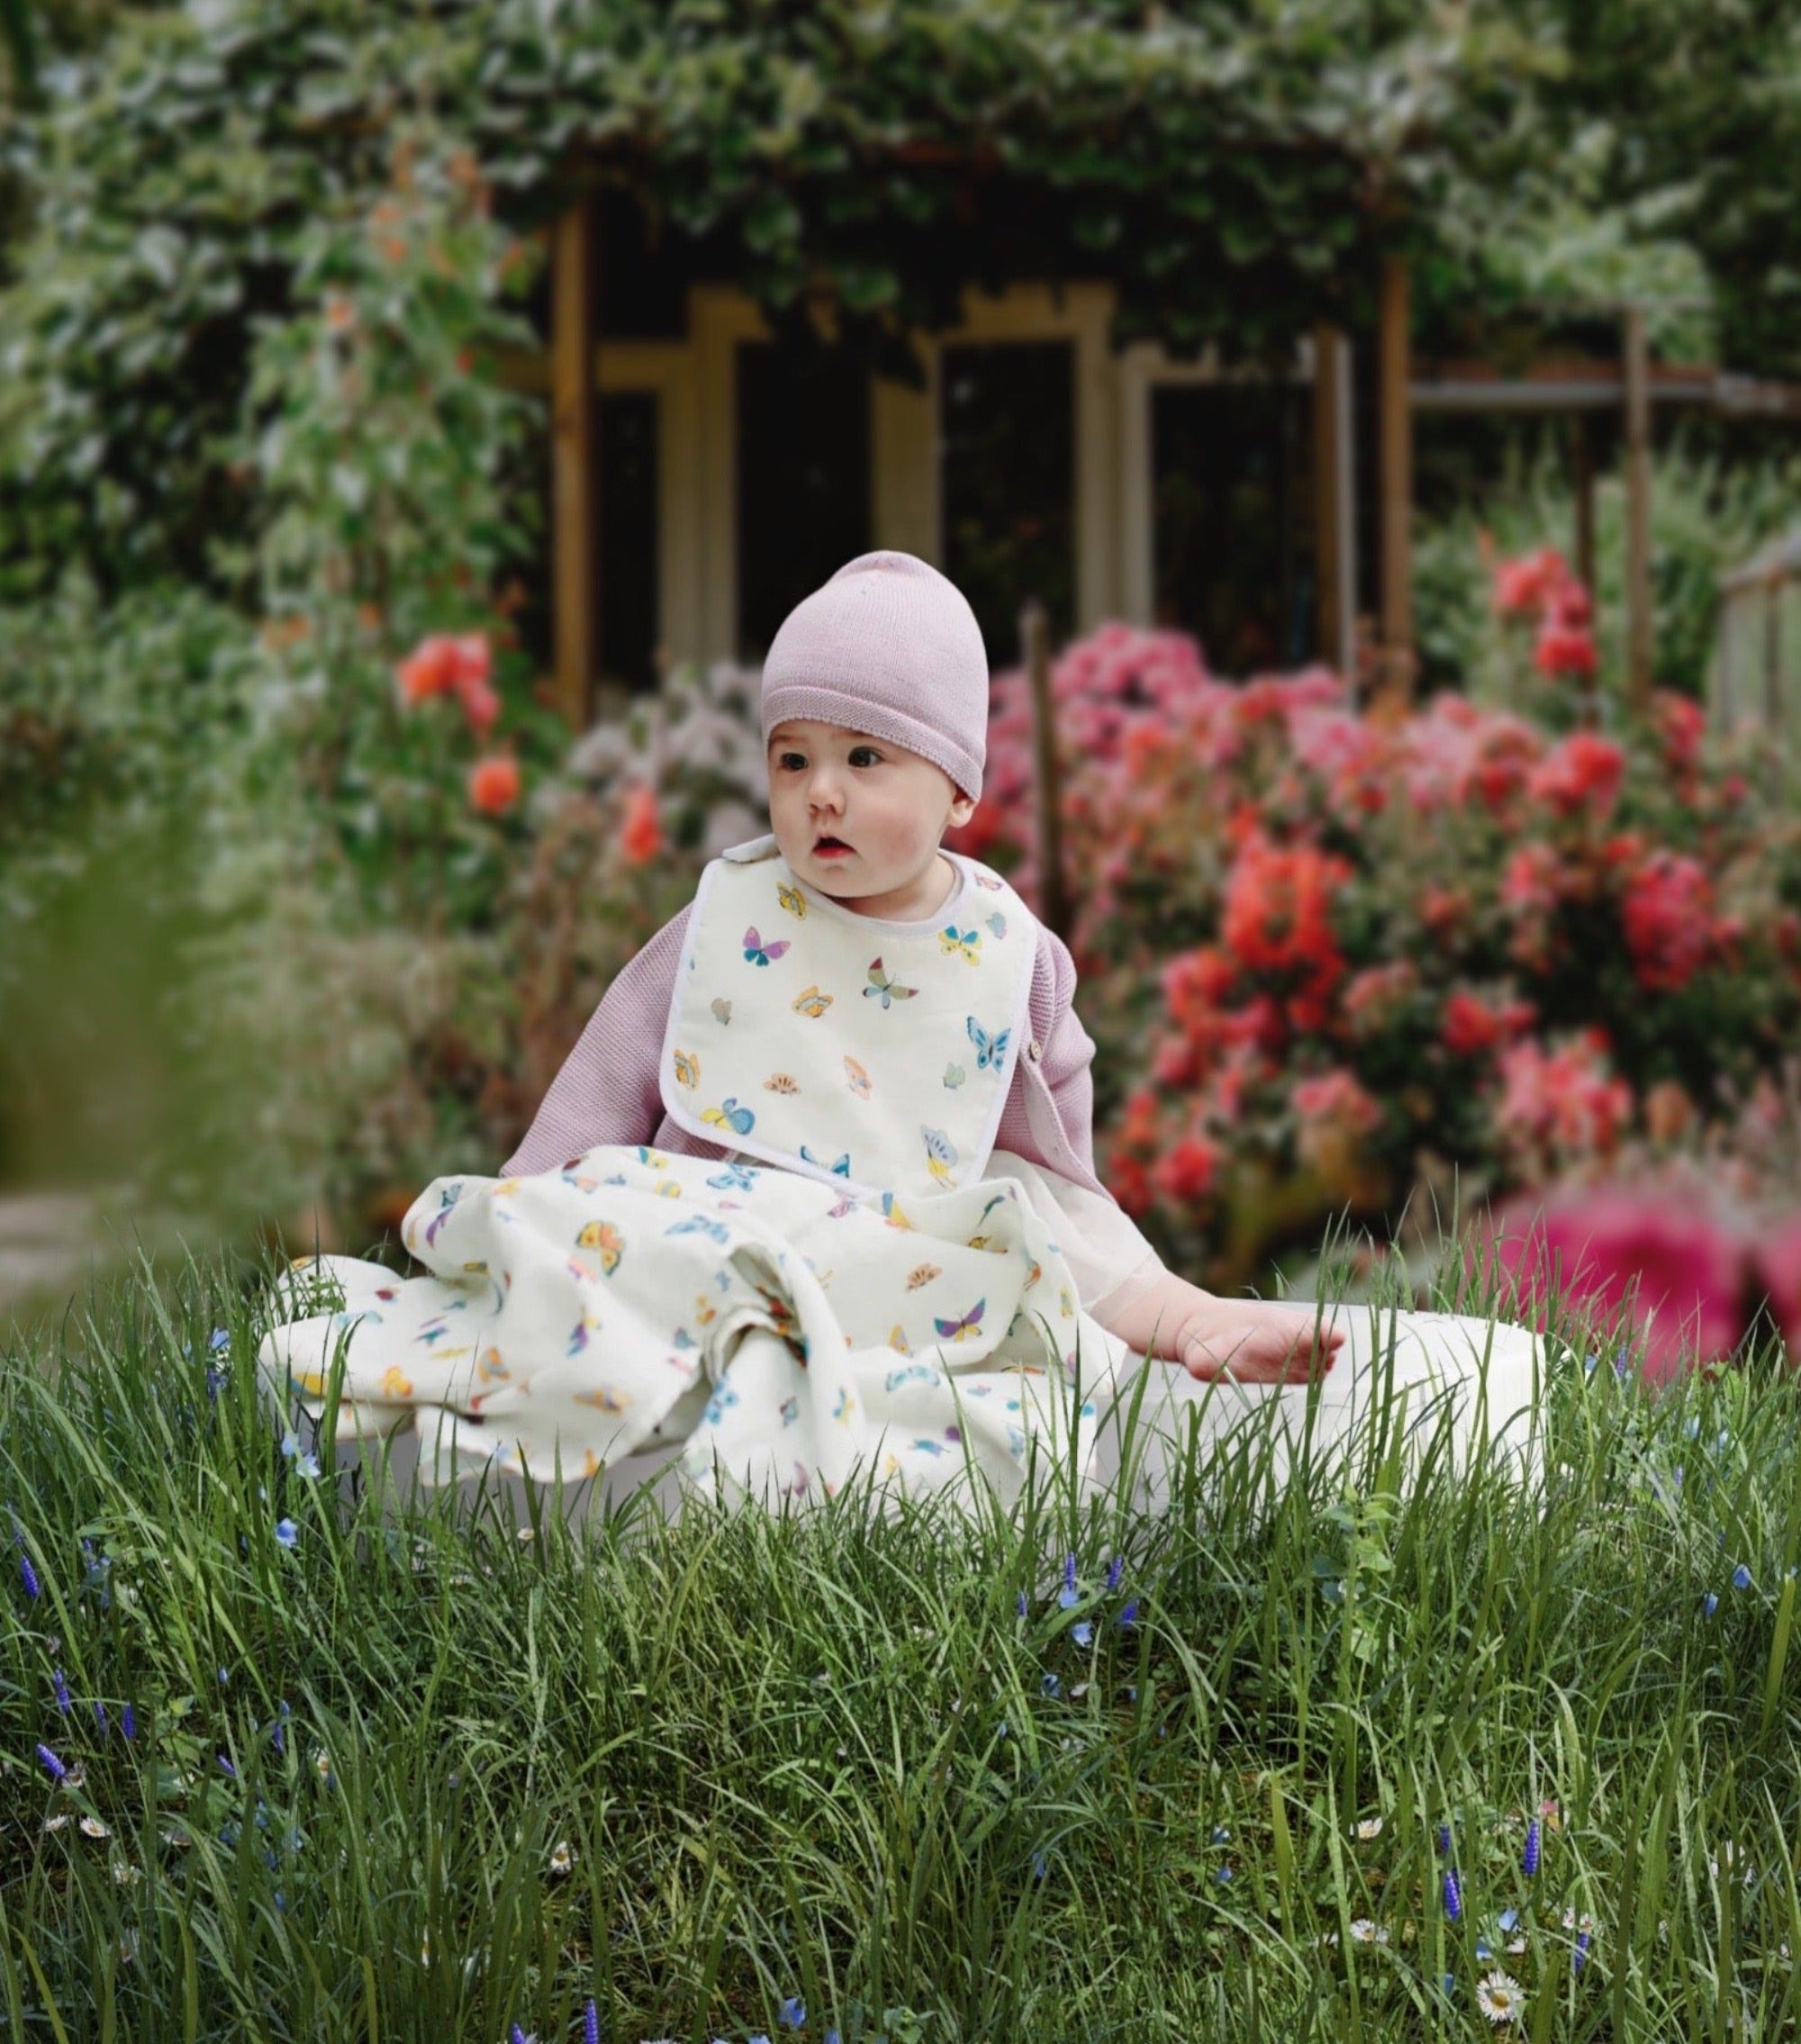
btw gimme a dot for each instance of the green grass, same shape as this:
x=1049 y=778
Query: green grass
x=825 y=1757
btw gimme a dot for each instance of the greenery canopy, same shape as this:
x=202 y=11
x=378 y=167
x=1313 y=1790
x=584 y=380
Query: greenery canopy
x=1237 y=169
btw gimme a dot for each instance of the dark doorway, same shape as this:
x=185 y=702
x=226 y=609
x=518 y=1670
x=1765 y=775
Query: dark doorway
x=1006 y=415
x=627 y=452
x=1232 y=517
x=803 y=479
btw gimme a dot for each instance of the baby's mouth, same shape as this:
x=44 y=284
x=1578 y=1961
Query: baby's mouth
x=830 y=844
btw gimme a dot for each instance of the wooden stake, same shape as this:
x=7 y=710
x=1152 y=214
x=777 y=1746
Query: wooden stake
x=1034 y=642
x=1638 y=514
x=1328 y=626
x=576 y=518
x=1394 y=370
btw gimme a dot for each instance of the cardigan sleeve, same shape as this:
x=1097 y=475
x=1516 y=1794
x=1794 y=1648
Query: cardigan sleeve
x=607 y=1091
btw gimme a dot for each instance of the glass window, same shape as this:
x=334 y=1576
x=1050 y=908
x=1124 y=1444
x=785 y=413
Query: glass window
x=627 y=453
x=1008 y=423
x=802 y=478
x=1232 y=517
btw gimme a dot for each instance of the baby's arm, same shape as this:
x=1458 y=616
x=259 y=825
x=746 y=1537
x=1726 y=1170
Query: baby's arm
x=607 y=1091
x=1167 y=1317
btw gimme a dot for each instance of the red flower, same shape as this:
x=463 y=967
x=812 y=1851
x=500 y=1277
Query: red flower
x=1467 y=1028
x=640 y=835
x=1185 y=1172
x=1657 y=1263
x=494 y=783
x=1276 y=911
x=462 y=666
x=430 y=670
x=1667 y=914
x=1584 y=769
x=1564 y=649
x=1523 y=585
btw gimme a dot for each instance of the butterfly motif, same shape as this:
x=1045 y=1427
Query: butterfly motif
x=924 y=1447
x=940 y=1153
x=448 y=1198
x=791 y=899
x=491 y=1369
x=578 y=1334
x=953 y=941
x=722 y=1010
x=780 y=1082
x=705 y=1311
x=654 y=1158
x=897 y=1340
x=840 y=1208
x=914 y=1373
x=845 y=1406
x=858 y=1077
x=734 y=1179
x=396 y=1382
x=839 y=1170
x=584 y=1182
x=997 y=922
x=812 y=1003
x=988 y=880
x=891 y=1214
x=687 y=1069
x=954 y=1076
x=730 y=1116
x=989 y=1050
x=970 y=1324
x=922 y=1274
x=683 y=1339
x=1064 y=1302
x=790 y=1411
x=884 y=989
x=667 y=1188
x=1033 y=1275
x=604 y=1398
x=386 y=1291
x=698 y=1224
x=757 y=952
x=605 y=1237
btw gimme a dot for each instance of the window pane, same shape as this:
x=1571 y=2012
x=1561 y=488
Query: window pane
x=1008 y=436
x=803 y=479
x=1233 y=515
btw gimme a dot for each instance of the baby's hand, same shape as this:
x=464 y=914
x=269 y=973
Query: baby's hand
x=1255 y=1342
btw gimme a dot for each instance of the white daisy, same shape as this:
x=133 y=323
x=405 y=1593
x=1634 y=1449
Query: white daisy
x=1363 y=1932
x=1368 y=1828
x=126 y=1875
x=562 y=1857
x=1498 y=1996
x=93 y=1828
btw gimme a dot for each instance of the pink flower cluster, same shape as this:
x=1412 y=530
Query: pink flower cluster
x=1539 y=586
x=1315 y=941
x=461 y=666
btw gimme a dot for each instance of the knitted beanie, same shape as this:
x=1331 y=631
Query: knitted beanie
x=892 y=647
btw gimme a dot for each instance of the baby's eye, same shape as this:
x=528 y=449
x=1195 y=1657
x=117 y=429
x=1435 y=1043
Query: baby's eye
x=874 y=757
x=790 y=759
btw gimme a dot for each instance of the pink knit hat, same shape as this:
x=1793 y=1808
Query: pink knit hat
x=888 y=646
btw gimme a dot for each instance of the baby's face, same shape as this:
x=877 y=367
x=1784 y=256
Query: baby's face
x=884 y=805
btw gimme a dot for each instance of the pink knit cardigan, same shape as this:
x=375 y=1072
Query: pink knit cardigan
x=607 y=1091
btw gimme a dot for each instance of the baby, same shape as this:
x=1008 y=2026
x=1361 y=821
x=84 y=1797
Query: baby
x=875 y=710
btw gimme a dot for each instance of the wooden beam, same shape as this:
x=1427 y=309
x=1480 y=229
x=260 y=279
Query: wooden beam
x=1582 y=483
x=1396 y=484
x=1638 y=514
x=575 y=535
x=1328 y=624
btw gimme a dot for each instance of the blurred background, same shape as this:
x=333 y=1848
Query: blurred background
x=415 y=422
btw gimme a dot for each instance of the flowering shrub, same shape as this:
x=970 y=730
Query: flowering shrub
x=1324 y=959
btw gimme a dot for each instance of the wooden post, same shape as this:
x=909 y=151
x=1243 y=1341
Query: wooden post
x=576 y=519
x=1394 y=372
x=1582 y=449
x=1638 y=514
x=1328 y=626
x=1034 y=642
x=1773 y=719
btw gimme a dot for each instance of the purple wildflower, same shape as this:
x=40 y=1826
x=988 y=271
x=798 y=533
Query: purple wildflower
x=793 y=2012
x=590 y=2024
x=29 y=1577
x=1115 y=1569
x=1578 y=1958
x=1710 y=1604
x=63 y=1699
x=1453 y=1895
x=52 y=1766
x=287 y=1533
x=100 y=1716
x=1022 y=1606
x=1082 y=1633
x=1529 y=1858
x=1740 y=1577
x=225 y=1766
x=1444 y=1838
x=128 y=1722
x=1129 y=1615
x=1067 y=1594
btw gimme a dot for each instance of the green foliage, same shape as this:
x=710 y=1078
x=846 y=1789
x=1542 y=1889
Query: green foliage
x=828 y=1757
x=1708 y=515
x=1238 y=174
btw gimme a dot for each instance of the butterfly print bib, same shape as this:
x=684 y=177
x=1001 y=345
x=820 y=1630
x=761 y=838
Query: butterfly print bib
x=804 y=1035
